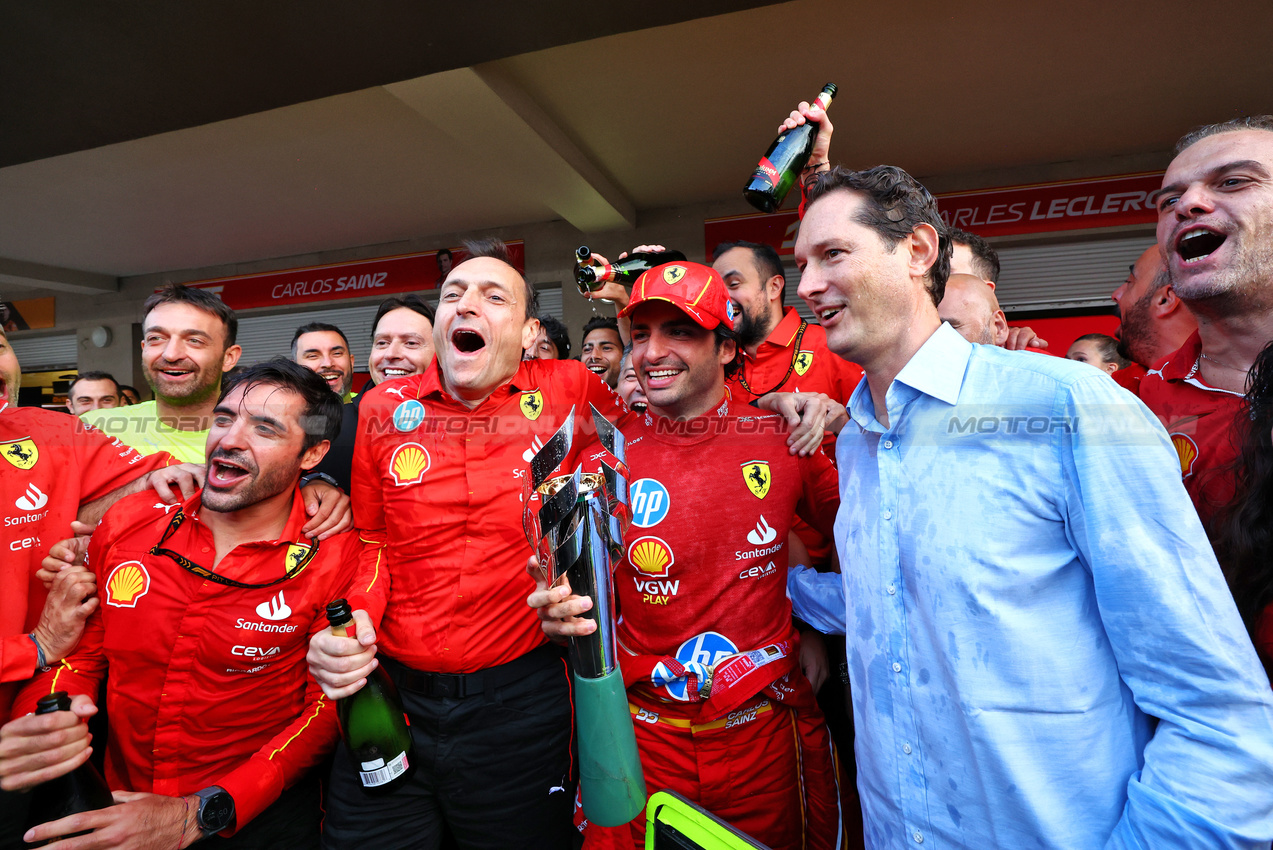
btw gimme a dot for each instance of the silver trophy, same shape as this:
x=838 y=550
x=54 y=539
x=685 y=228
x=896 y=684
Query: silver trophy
x=575 y=523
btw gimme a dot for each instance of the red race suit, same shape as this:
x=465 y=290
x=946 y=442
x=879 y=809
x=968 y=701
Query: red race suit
x=53 y=464
x=442 y=485
x=208 y=684
x=1201 y=420
x=702 y=593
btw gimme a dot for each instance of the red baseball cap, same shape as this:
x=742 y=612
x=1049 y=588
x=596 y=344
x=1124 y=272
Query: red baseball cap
x=695 y=289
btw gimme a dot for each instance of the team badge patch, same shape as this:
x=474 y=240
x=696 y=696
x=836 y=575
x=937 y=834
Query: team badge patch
x=1187 y=449
x=126 y=584
x=21 y=453
x=409 y=415
x=408 y=464
x=672 y=275
x=757 y=477
x=295 y=554
x=804 y=359
x=651 y=556
x=532 y=404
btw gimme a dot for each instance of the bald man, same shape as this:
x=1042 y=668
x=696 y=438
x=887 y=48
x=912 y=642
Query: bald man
x=972 y=309
x=1154 y=322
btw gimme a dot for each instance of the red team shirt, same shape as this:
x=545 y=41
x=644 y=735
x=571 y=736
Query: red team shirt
x=811 y=368
x=52 y=464
x=208 y=684
x=442 y=484
x=1201 y=421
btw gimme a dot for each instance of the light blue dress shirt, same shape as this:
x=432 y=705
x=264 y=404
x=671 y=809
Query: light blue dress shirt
x=1027 y=586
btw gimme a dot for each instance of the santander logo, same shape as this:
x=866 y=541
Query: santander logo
x=535 y=447
x=762 y=534
x=274 y=608
x=33 y=499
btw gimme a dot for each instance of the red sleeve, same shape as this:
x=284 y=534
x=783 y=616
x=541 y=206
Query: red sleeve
x=17 y=659
x=370 y=590
x=820 y=496
x=847 y=377
x=598 y=393
x=106 y=464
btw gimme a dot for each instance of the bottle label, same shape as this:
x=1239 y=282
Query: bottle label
x=378 y=772
x=767 y=171
x=824 y=100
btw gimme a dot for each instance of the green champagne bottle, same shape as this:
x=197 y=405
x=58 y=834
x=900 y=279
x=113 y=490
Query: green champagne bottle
x=590 y=278
x=783 y=162
x=81 y=790
x=372 y=722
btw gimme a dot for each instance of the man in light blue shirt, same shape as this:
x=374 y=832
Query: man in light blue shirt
x=1027 y=582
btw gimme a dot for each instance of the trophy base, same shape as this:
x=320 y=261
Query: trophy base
x=612 y=785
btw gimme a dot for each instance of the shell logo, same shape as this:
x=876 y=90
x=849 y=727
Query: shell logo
x=126 y=584
x=651 y=556
x=1187 y=449
x=409 y=463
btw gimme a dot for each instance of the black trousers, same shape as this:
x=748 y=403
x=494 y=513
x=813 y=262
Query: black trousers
x=494 y=768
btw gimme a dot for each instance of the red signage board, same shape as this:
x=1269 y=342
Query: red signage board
x=1045 y=208
x=379 y=276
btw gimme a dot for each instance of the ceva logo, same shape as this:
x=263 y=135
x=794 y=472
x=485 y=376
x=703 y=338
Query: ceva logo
x=274 y=608
x=33 y=499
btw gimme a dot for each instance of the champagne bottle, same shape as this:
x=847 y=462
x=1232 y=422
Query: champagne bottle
x=81 y=790
x=372 y=721
x=783 y=162
x=590 y=278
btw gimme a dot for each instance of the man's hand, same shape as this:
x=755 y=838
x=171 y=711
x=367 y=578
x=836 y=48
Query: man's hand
x=174 y=484
x=809 y=415
x=341 y=665
x=1020 y=339
x=557 y=607
x=328 y=509
x=813 y=658
x=137 y=821
x=37 y=748
x=804 y=113
x=66 y=609
x=65 y=553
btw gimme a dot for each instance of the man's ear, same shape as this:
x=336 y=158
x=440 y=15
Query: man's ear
x=230 y=358
x=774 y=287
x=530 y=330
x=924 y=245
x=311 y=457
x=1000 y=322
x=1165 y=303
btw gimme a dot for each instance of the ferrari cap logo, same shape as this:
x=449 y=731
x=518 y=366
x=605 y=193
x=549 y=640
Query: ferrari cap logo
x=21 y=453
x=804 y=359
x=756 y=476
x=672 y=275
x=532 y=404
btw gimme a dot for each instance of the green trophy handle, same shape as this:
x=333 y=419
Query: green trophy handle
x=611 y=783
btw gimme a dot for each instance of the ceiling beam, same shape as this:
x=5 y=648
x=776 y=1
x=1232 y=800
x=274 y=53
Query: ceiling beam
x=59 y=279
x=503 y=128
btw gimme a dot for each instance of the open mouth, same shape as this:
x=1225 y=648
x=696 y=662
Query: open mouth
x=827 y=314
x=659 y=378
x=596 y=368
x=176 y=374
x=396 y=372
x=225 y=473
x=1198 y=243
x=334 y=378
x=467 y=341
x=639 y=407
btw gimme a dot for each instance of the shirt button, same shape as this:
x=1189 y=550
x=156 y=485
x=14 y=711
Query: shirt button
x=918 y=836
x=887 y=514
x=892 y=588
x=897 y=668
x=906 y=748
x=888 y=444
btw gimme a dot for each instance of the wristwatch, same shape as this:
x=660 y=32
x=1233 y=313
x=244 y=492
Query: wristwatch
x=216 y=809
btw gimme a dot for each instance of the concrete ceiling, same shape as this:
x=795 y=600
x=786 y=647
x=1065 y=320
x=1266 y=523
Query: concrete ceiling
x=396 y=130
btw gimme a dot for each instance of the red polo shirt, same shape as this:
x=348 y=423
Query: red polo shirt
x=208 y=684
x=1201 y=421
x=1129 y=378
x=52 y=465
x=442 y=484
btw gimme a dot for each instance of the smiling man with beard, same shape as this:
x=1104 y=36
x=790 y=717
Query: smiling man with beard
x=1153 y=322
x=207 y=608
x=439 y=466
x=1215 y=229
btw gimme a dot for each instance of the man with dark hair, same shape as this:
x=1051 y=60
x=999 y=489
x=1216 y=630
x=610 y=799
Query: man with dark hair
x=954 y=630
x=207 y=608
x=324 y=349
x=90 y=391
x=495 y=249
x=187 y=343
x=552 y=342
x=601 y=351
x=446 y=261
x=1215 y=232
x=1153 y=322
x=439 y=466
x=970 y=254
x=128 y=395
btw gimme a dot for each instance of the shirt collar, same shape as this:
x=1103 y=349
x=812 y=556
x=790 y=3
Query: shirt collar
x=784 y=334
x=1180 y=364
x=936 y=369
x=523 y=379
x=296 y=517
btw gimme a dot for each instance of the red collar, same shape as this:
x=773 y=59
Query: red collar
x=1183 y=362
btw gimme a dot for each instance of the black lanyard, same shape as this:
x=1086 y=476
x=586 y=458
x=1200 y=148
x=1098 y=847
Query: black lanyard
x=742 y=373
x=203 y=572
